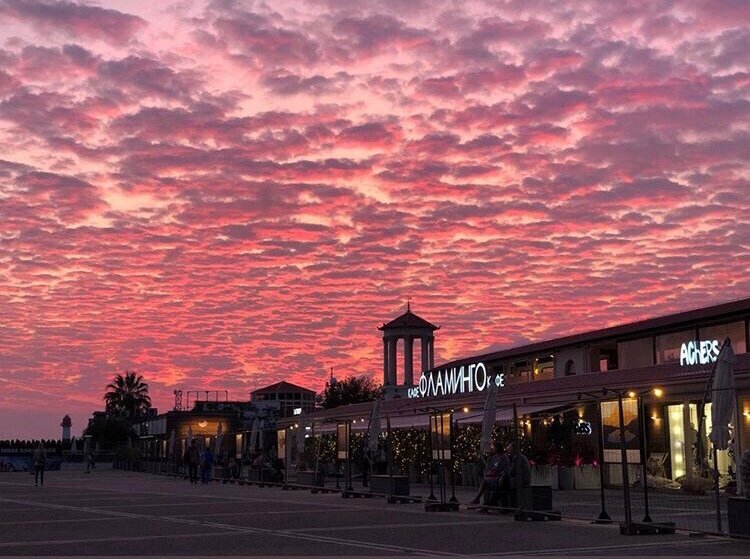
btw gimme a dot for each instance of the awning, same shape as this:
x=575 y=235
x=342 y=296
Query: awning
x=422 y=420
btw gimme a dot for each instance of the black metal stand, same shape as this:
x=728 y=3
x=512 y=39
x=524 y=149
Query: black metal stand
x=644 y=469
x=603 y=517
x=624 y=459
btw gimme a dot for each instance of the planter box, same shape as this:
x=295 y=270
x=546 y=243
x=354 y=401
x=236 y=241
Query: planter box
x=545 y=475
x=390 y=485
x=311 y=478
x=565 y=478
x=614 y=477
x=259 y=475
x=534 y=498
x=738 y=512
x=586 y=477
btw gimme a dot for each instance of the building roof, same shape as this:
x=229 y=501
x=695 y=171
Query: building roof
x=639 y=328
x=408 y=320
x=282 y=386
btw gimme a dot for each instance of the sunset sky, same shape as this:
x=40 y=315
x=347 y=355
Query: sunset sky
x=224 y=194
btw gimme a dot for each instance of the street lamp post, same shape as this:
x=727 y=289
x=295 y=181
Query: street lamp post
x=623 y=457
x=644 y=448
x=603 y=517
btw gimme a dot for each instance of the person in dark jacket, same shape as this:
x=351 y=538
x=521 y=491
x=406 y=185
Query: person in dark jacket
x=40 y=461
x=192 y=458
x=207 y=462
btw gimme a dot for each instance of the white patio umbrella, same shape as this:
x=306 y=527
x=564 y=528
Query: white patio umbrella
x=219 y=436
x=722 y=398
x=253 y=445
x=299 y=438
x=373 y=432
x=171 y=444
x=488 y=419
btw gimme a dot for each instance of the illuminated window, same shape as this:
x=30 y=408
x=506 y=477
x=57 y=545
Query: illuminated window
x=734 y=331
x=668 y=345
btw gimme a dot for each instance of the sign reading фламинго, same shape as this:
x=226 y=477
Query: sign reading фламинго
x=456 y=380
x=703 y=352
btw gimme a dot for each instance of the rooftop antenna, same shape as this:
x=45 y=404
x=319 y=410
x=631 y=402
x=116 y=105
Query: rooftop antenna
x=408 y=304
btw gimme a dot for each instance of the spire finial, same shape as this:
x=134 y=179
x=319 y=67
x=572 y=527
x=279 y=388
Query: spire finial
x=408 y=304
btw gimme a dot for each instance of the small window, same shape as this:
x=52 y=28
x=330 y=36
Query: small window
x=570 y=368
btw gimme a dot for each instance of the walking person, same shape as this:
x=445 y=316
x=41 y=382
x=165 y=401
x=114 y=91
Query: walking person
x=191 y=459
x=40 y=461
x=90 y=463
x=207 y=463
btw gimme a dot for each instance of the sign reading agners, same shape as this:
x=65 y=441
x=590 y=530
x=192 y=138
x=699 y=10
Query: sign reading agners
x=699 y=352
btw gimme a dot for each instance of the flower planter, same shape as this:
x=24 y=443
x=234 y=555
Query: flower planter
x=565 y=477
x=586 y=476
x=739 y=516
x=545 y=475
x=311 y=478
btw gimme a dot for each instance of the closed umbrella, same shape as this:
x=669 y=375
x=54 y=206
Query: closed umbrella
x=254 y=435
x=373 y=431
x=171 y=445
x=722 y=398
x=219 y=436
x=488 y=419
x=299 y=439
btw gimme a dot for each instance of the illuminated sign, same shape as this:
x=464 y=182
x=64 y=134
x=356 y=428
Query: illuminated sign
x=297 y=411
x=456 y=380
x=699 y=353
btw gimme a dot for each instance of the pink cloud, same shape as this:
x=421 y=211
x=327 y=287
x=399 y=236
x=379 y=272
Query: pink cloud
x=232 y=198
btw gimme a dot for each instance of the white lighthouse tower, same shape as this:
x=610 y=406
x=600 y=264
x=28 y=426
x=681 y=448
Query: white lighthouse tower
x=66 y=425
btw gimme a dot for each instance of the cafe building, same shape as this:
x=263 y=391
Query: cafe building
x=660 y=366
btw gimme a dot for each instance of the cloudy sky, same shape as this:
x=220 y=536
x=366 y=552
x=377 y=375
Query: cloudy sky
x=225 y=194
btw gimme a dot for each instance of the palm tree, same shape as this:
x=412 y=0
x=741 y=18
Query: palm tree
x=127 y=395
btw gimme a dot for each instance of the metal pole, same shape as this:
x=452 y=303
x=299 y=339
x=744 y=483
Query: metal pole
x=348 y=472
x=429 y=473
x=454 y=431
x=716 y=489
x=517 y=452
x=388 y=455
x=624 y=459
x=603 y=517
x=644 y=472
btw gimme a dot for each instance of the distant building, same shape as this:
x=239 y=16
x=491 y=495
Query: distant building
x=293 y=399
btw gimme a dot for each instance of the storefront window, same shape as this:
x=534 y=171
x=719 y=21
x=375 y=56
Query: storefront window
x=668 y=345
x=635 y=353
x=682 y=446
x=734 y=331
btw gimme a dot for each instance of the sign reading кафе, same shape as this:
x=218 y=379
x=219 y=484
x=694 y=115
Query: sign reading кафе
x=455 y=380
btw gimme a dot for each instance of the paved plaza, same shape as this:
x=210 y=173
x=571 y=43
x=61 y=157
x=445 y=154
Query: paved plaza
x=114 y=513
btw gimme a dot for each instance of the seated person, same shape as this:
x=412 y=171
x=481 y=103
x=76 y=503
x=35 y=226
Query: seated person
x=495 y=477
x=519 y=472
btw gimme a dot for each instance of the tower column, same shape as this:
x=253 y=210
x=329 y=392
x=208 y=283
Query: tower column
x=432 y=352
x=425 y=354
x=409 y=361
x=385 y=362
x=392 y=360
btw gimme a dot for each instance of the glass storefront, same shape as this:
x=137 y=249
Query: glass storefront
x=683 y=436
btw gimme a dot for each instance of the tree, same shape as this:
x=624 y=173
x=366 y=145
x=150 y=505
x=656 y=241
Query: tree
x=351 y=390
x=127 y=395
x=109 y=432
